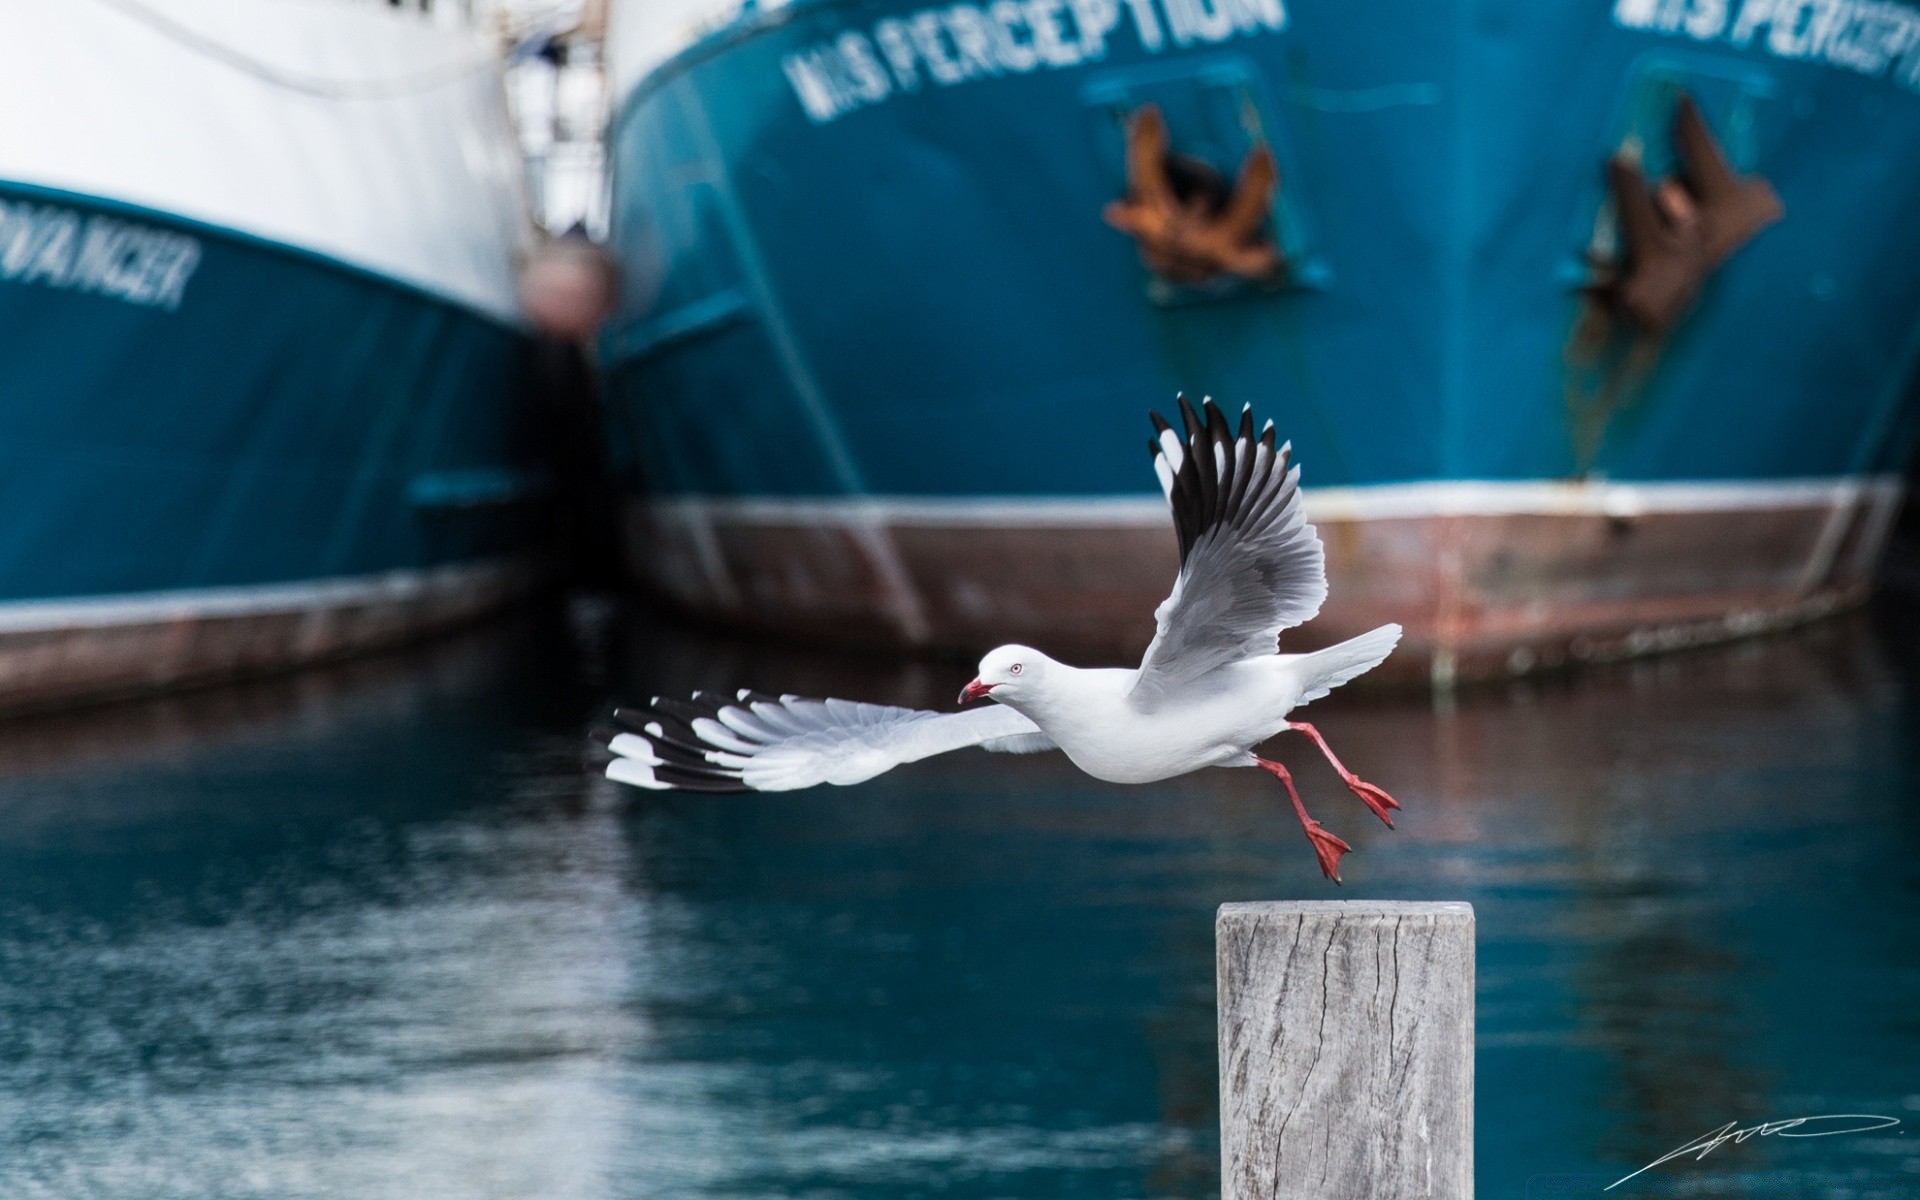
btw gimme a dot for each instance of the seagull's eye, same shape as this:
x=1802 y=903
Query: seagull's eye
x=1015 y=669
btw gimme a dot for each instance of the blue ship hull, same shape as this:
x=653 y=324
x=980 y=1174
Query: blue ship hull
x=219 y=454
x=884 y=369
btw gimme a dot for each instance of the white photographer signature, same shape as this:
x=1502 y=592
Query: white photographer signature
x=1702 y=1146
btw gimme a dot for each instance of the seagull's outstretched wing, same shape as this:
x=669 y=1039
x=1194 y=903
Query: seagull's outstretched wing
x=1250 y=565
x=761 y=743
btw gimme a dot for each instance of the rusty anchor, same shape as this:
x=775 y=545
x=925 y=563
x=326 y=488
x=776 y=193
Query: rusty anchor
x=1678 y=232
x=1191 y=227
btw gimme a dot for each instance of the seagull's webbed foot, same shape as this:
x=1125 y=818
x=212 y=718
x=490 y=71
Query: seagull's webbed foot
x=1326 y=847
x=1375 y=798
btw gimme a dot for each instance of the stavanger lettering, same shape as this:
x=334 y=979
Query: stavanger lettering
x=62 y=248
x=1871 y=37
x=962 y=42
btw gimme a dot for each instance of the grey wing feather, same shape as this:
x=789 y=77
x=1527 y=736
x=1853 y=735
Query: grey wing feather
x=1250 y=564
x=756 y=742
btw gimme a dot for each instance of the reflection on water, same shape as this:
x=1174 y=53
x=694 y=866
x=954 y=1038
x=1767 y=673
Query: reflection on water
x=380 y=932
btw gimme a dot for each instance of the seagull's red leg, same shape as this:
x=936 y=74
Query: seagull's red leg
x=1326 y=847
x=1373 y=797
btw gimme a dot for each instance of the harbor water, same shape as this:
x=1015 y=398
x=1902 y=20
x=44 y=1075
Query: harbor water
x=382 y=931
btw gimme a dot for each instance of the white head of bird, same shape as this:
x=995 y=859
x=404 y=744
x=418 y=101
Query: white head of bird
x=1010 y=674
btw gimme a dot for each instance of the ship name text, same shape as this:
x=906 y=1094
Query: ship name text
x=58 y=247
x=1874 y=38
x=958 y=43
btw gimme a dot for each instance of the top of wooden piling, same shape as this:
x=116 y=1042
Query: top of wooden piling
x=1349 y=908
x=1346 y=1050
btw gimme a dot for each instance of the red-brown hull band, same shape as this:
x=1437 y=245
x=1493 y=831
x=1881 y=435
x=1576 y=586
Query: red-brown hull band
x=1480 y=594
x=63 y=653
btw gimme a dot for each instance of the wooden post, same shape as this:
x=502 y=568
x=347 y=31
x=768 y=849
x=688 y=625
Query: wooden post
x=1346 y=1050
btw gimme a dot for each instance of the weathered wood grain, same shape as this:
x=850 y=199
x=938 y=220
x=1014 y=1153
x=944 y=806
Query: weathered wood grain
x=1346 y=1050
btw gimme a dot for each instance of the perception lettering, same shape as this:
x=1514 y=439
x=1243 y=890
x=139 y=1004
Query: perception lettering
x=943 y=47
x=1875 y=38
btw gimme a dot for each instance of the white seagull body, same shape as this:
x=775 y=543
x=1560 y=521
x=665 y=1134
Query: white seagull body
x=1211 y=686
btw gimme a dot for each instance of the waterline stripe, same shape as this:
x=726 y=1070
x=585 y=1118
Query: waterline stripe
x=250 y=600
x=1378 y=502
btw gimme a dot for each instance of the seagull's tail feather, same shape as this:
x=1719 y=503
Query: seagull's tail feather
x=1325 y=670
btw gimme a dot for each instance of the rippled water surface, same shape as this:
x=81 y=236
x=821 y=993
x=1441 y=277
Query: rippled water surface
x=380 y=932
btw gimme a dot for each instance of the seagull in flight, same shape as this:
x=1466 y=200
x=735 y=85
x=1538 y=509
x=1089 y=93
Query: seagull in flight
x=1212 y=686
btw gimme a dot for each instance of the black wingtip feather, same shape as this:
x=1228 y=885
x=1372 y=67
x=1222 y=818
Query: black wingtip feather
x=1200 y=449
x=1240 y=488
x=697 y=781
x=673 y=733
x=1191 y=420
x=1217 y=426
x=683 y=754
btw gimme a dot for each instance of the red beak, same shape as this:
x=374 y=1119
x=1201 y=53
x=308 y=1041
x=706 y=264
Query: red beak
x=975 y=691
